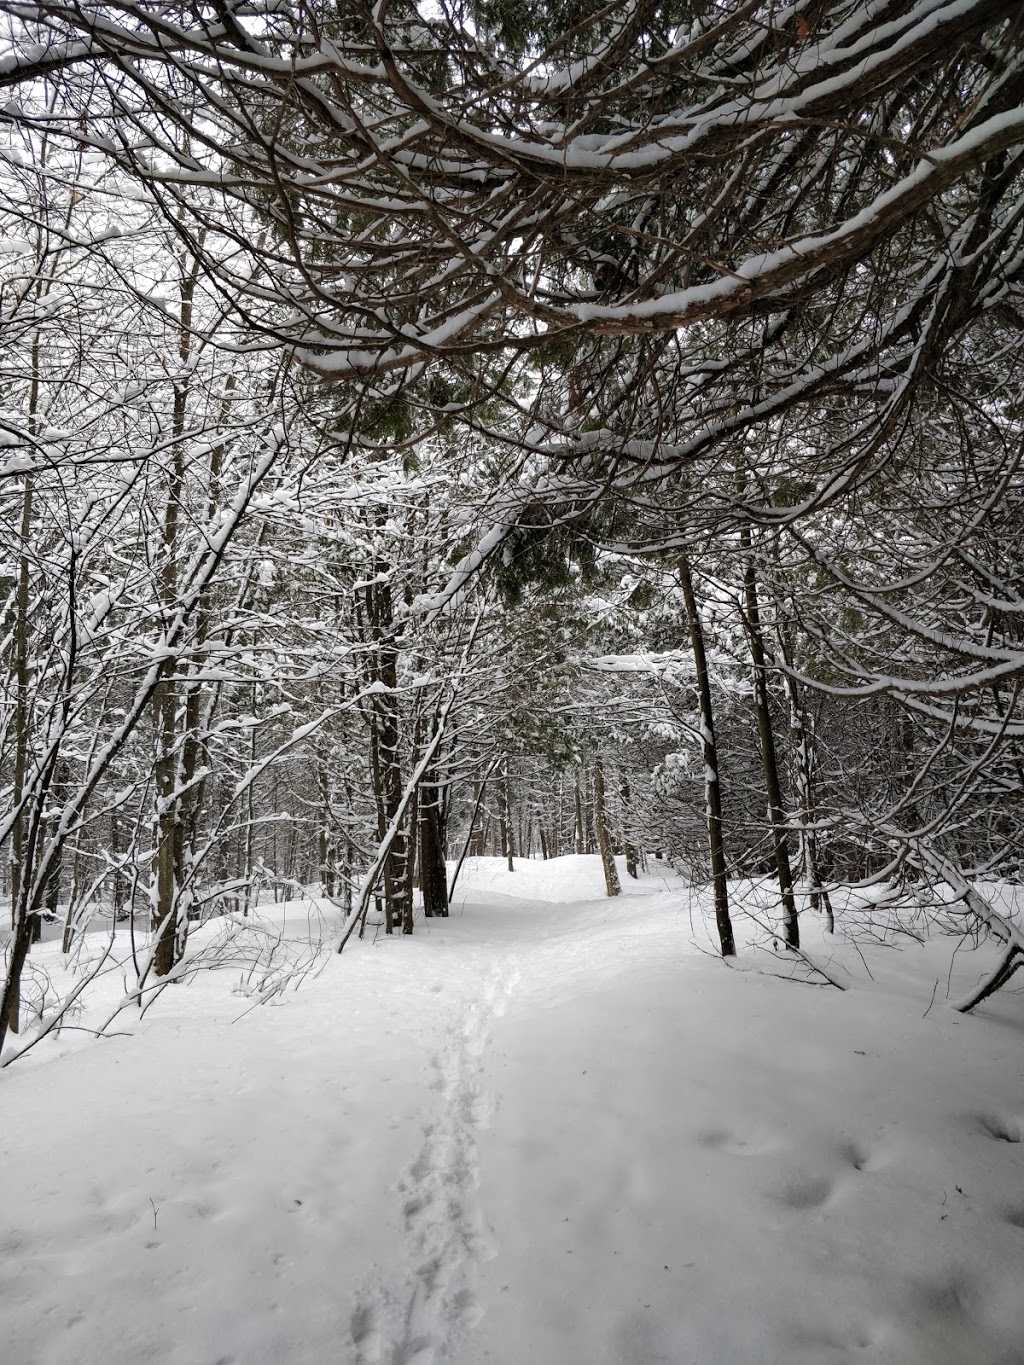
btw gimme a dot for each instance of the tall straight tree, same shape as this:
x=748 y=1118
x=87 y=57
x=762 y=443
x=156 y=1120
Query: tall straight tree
x=709 y=753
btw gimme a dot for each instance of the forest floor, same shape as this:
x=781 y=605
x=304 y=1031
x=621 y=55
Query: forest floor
x=553 y=1129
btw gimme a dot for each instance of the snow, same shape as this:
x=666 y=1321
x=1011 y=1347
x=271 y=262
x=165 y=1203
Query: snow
x=805 y=254
x=553 y=1128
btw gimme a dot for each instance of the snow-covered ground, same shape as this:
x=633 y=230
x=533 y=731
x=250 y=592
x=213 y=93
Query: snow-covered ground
x=553 y=1129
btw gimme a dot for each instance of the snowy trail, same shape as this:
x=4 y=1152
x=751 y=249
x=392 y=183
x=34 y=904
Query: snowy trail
x=546 y=1130
x=426 y=1311
x=416 y=1322
x=700 y=1165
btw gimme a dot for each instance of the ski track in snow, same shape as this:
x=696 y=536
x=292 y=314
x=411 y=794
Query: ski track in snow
x=415 y=1321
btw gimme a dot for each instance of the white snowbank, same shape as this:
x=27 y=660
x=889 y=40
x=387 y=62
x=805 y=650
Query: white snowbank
x=575 y=877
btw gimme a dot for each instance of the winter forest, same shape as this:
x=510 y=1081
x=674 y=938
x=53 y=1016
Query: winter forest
x=511 y=648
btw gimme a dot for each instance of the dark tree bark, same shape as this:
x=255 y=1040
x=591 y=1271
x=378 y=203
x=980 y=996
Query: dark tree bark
x=712 y=785
x=386 y=763
x=769 y=758
x=433 y=872
x=628 y=846
x=10 y=1005
x=507 y=848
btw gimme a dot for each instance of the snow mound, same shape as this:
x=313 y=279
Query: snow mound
x=557 y=881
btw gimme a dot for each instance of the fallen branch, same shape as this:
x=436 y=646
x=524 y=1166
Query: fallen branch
x=56 y=1020
x=797 y=952
x=1008 y=964
x=997 y=925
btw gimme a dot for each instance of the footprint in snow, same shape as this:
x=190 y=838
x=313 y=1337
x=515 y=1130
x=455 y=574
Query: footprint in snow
x=806 y=1192
x=725 y=1140
x=852 y=1155
x=415 y=1206
x=463 y=1310
x=951 y=1298
x=1000 y=1127
x=418 y=1351
x=365 y=1334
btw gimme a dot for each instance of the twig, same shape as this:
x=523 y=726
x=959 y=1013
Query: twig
x=800 y=953
x=863 y=959
x=931 y=1002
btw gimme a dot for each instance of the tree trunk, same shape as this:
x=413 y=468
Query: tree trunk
x=19 y=871
x=397 y=889
x=769 y=760
x=165 y=901
x=712 y=784
x=802 y=739
x=10 y=1005
x=117 y=882
x=433 y=872
x=508 y=851
x=377 y=776
x=167 y=697
x=628 y=846
x=604 y=842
